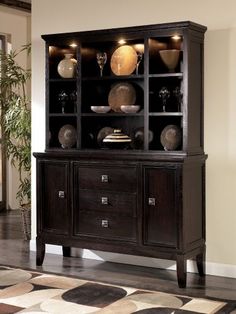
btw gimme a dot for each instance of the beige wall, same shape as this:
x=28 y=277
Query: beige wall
x=17 y=25
x=57 y=16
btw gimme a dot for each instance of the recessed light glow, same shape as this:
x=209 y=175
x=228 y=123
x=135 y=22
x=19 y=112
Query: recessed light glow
x=122 y=41
x=73 y=45
x=176 y=37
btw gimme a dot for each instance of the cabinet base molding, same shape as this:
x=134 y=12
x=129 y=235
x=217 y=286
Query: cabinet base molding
x=213 y=269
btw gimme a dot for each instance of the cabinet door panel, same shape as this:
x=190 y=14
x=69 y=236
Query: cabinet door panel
x=160 y=221
x=55 y=197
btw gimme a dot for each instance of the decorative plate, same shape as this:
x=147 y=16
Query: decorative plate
x=138 y=138
x=124 y=60
x=121 y=94
x=67 y=136
x=171 y=137
x=102 y=134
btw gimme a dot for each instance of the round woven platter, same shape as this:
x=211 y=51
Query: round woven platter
x=121 y=94
x=123 y=60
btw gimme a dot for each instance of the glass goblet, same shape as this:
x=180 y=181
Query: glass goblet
x=139 y=59
x=164 y=94
x=101 y=60
x=63 y=99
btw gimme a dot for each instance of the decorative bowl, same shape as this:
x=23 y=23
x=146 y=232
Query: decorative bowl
x=170 y=58
x=117 y=140
x=130 y=108
x=100 y=109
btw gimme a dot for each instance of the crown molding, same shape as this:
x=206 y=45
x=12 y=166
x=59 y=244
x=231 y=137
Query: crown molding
x=15 y=4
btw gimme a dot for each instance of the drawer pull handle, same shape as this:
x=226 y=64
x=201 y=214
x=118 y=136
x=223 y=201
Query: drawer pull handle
x=104 y=200
x=151 y=201
x=105 y=223
x=61 y=194
x=104 y=178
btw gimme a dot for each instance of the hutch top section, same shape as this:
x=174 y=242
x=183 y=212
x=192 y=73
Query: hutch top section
x=136 y=88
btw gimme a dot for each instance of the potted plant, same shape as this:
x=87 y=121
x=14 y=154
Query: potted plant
x=16 y=126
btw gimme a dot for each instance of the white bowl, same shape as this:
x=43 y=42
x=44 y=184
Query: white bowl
x=100 y=109
x=130 y=108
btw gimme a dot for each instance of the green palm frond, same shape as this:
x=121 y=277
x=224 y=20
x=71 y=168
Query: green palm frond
x=16 y=118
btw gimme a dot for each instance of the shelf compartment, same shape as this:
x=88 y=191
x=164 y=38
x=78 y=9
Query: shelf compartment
x=91 y=127
x=156 y=64
x=62 y=96
x=56 y=54
x=157 y=124
x=89 y=50
x=97 y=94
x=55 y=124
x=173 y=102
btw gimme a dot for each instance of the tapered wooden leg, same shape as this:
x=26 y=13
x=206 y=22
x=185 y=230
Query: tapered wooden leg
x=200 y=259
x=40 y=247
x=66 y=251
x=181 y=270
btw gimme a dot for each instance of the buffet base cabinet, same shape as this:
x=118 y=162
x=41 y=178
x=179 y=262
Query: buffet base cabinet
x=145 y=207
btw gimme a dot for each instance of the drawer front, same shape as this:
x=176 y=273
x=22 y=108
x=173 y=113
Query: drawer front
x=106 y=201
x=106 y=226
x=107 y=178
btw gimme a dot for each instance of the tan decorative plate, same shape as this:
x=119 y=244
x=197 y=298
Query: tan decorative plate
x=67 y=136
x=123 y=60
x=102 y=134
x=121 y=94
x=171 y=137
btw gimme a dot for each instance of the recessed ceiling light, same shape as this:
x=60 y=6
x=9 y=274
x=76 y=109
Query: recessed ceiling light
x=122 y=41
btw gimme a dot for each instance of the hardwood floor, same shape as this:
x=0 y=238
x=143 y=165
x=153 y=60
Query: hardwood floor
x=14 y=251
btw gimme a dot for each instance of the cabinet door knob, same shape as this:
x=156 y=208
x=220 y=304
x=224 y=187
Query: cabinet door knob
x=151 y=201
x=104 y=200
x=61 y=194
x=104 y=178
x=105 y=223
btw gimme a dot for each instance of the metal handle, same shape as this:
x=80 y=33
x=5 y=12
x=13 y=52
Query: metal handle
x=104 y=178
x=104 y=200
x=151 y=201
x=61 y=194
x=105 y=223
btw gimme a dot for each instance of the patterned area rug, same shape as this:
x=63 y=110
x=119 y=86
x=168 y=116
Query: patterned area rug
x=24 y=291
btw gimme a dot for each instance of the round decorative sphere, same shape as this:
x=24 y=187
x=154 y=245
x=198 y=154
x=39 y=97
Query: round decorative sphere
x=66 y=67
x=67 y=136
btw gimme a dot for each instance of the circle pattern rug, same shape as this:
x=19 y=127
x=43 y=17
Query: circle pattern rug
x=24 y=291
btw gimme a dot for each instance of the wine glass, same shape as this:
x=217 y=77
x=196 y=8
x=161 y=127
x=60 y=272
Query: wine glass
x=101 y=60
x=179 y=97
x=164 y=94
x=63 y=99
x=139 y=59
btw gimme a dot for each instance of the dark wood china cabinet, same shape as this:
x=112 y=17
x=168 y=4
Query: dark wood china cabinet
x=146 y=197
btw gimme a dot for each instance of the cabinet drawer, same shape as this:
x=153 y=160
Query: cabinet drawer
x=107 y=201
x=106 y=226
x=107 y=178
